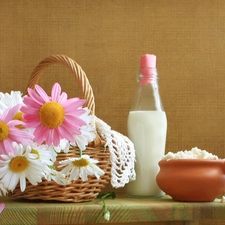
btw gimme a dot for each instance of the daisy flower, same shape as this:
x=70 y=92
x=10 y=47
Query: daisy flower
x=47 y=155
x=80 y=167
x=87 y=131
x=2 y=206
x=54 y=117
x=9 y=100
x=9 y=133
x=3 y=190
x=64 y=146
x=18 y=166
x=43 y=153
x=59 y=178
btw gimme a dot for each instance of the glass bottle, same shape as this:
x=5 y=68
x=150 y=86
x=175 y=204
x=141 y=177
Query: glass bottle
x=147 y=128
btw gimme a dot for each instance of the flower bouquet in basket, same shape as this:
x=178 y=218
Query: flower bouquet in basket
x=54 y=148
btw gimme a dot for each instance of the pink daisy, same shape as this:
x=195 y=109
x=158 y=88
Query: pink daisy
x=2 y=206
x=53 y=117
x=9 y=133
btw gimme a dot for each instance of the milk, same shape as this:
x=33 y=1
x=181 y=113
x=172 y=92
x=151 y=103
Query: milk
x=147 y=130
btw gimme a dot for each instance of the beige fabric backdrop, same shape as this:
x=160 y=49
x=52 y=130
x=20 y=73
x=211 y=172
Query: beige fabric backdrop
x=107 y=38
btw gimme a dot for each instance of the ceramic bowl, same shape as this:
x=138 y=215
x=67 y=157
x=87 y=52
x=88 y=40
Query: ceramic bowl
x=198 y=180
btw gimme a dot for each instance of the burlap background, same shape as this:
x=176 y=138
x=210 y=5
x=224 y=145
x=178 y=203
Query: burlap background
x=107 y=38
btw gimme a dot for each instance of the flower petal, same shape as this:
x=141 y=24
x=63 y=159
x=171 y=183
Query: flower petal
x=74 y=175
x=42 y=93
x=22 y=182
x=2 y=206
x=63 y=97
x=66 y=134
x=55 y=93
x=19 y=135
x=7 y=143
x=73 y=104
x=9 y=113
x=33 y=94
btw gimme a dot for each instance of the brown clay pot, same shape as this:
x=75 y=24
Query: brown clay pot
x=198 y=180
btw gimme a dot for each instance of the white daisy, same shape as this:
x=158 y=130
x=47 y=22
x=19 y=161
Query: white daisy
x=64 y=146
x=9 y=100
x=3 y=190
x=87 y=131
x=47 y=155
x=43 y=153
x=80 y=167
x=19 y=165
x=59 y=178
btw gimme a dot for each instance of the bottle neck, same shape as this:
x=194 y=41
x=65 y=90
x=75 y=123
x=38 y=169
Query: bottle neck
x=148 y=75
x=147 y=93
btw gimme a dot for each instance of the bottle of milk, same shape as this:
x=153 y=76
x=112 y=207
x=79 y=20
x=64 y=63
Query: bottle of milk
x=147 y=128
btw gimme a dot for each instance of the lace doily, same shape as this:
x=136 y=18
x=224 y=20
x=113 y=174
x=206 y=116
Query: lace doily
x=122 y=154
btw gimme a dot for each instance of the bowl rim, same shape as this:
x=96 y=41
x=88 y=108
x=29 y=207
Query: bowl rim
x=219 y=159
x=168 y=161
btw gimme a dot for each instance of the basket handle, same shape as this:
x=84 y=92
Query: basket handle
x=76 y=69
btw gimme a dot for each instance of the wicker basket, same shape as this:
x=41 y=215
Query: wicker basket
x=77 y=191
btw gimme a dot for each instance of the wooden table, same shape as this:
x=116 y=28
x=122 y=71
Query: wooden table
x=123 y=211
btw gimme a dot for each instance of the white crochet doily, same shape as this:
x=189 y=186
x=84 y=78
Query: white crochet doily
x=122 y=154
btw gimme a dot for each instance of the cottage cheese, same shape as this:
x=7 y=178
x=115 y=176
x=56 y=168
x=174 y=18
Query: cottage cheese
x=194 y=153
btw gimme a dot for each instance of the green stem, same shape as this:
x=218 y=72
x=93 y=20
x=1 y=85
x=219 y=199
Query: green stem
x=80 y=152
x=105 y=196
x=103 y=200
x=106 y=212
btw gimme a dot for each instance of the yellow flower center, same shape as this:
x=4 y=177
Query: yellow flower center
x=52 y=114
x=34 y=151
x=4 y=131
x=18 y=164
x=81 y=162
x=19 y=116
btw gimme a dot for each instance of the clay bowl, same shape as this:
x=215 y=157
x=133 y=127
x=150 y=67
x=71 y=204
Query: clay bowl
x=192 y=180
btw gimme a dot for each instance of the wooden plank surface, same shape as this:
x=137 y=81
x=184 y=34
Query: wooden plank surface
x=122 y=210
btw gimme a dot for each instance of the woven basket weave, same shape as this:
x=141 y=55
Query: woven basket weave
x=77 y=191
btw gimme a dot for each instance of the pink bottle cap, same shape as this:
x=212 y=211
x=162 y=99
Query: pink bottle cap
x=147 y=68
x=148 y=60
